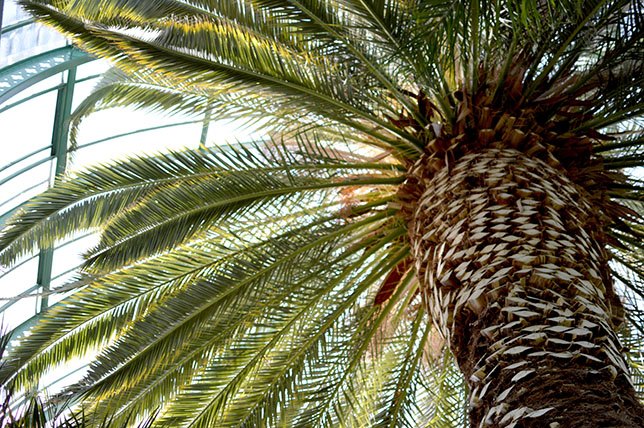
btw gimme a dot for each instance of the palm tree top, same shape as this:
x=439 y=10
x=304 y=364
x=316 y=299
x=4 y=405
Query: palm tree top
x=272 y=282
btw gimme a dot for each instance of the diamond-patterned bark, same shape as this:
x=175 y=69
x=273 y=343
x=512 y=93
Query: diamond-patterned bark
x=511 y=258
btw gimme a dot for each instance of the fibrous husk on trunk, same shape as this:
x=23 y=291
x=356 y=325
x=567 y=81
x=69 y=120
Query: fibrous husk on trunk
x=510 y=255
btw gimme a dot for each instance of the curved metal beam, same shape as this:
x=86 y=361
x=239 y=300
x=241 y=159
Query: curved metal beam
x=23 y=74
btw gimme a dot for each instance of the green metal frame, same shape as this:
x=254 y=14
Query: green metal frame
x=10 y=28
x=4 y=217
x=22 y=158
x=137 y=131
x=45 y=91
x=25 y=169
x=59 y=152
x=63 y=111
x=23 y=74
x=204 y=129
x=35 y=288
x=19 y=77
x=1 y=12
x=13 y=80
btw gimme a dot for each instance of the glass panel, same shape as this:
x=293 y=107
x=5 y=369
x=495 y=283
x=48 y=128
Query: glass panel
x=59 y=282
x=18 y=313
x=230 y=131
x=91 y=68
x=16 y=200
x=27 y=41
x=27 y=127
x=82 y=90
x=108 y=123
x=73 y=371
x=69 y=255
x=17 y=164
x=43 y=85
x=13 y=13
x=18 y=279
x=24 y=186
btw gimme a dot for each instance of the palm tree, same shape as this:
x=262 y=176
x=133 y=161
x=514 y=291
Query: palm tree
x=437 y=173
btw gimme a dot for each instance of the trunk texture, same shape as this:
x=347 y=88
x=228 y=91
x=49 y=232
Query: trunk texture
x=511 y=258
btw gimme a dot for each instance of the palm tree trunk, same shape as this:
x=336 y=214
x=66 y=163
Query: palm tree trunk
x=511 y=257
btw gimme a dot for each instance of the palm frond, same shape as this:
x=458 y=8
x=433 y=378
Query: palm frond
x=221 y=176
x=220 y=55
x=241 y=286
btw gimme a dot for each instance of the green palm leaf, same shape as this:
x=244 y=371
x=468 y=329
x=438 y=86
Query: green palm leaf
x=241 y=286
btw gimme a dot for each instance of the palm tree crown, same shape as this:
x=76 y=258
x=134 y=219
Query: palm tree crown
x=307 y=279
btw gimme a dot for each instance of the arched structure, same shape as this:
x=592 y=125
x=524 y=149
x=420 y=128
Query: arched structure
x=43 y=77
x=38 y=74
